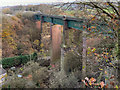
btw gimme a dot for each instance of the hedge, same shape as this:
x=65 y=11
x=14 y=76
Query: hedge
x=17 y=60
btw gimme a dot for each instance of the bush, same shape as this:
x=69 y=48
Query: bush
x=7 y=11
x=30 y=67
x=15 y=61
x=9 y=62
x=75 y=65
x=28 y=15
x=40 y=75
x=60 y=80
x=16 y=82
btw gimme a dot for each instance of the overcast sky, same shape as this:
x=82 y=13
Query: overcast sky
x=26 y=2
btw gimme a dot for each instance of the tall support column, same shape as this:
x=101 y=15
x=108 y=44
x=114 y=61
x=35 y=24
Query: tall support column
x=41 y=23
x=62 y=50
x=63 y=44
x=51 y=24
x=56 y=42
x=84 y=57
x=41 y=31
x=39 y=26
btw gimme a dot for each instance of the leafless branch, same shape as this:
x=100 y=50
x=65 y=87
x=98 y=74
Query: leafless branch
x=96 y=6
x=114 y=8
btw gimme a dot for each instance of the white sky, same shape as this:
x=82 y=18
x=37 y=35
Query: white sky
x=25 y=2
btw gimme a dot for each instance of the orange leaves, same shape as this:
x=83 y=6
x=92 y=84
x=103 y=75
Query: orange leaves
x=29 y=77
x=92 y=80
x=106 y=3
x=89 y=29
x=102 y=84
x=105 y=53
x=91 y=50
x=96 y=54
x=112 y=83
x=91 y=83
x=0 y=25
x=105 y=57
x=93 y=27
x=106 y=86
x=41 y=44
x=84 y=26
x=105 y=72
x=112 y=77
x=6 y=10
x=93 y=18
x=14 y=18
x=36 y=42
x=5 y=34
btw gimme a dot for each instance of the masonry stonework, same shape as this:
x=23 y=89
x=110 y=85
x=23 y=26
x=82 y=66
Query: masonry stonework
x=56 y=42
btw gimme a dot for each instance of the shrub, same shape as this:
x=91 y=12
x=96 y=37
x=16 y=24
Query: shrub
x=30 y=67
x=16 y=82
x=15 y=61
x=75 y=65
x=7 y=11
x=40 y=75
x=28 y=15
x=60 y=80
